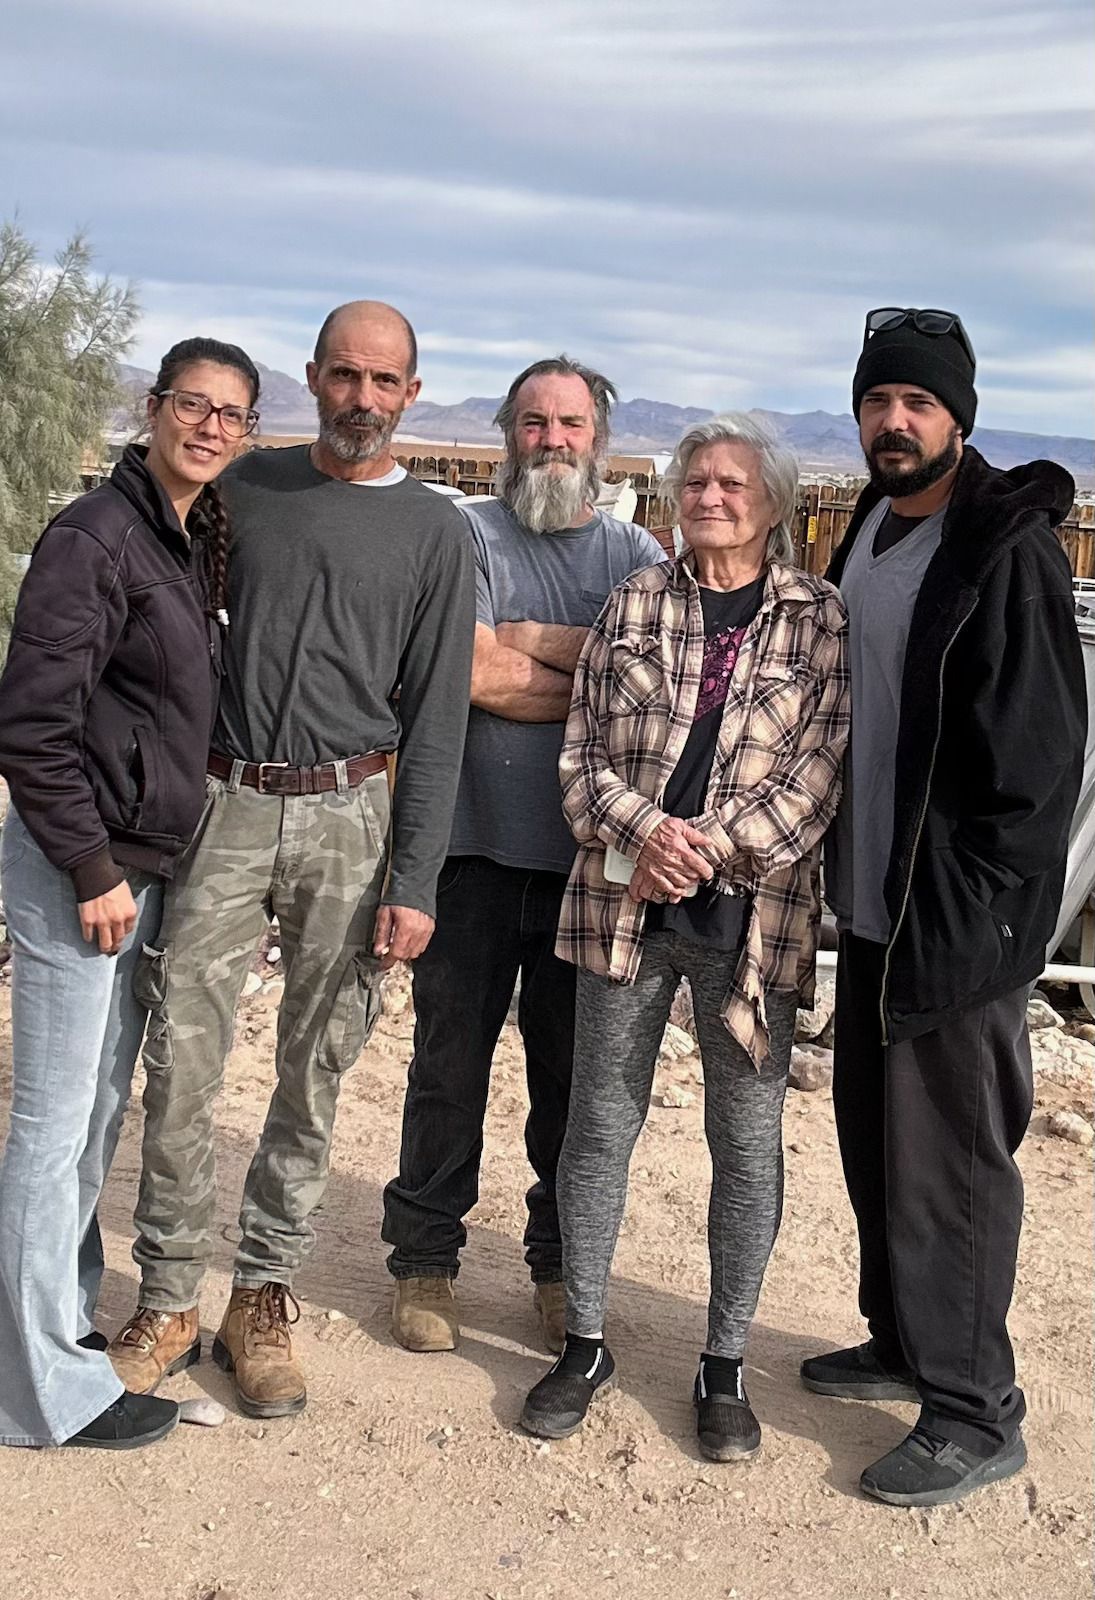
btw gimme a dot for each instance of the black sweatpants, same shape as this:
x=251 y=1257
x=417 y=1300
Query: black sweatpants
x=928 y=1130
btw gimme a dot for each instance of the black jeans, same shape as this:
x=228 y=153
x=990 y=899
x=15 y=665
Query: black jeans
x=928 y=1130
x=493 y=922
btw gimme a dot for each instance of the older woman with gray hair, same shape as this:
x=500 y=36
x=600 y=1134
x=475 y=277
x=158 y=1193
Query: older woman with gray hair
x=700 y=768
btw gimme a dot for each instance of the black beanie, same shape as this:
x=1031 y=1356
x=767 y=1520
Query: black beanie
x=936 y=362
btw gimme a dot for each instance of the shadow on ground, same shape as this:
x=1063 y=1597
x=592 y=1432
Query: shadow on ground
x=655 y=1334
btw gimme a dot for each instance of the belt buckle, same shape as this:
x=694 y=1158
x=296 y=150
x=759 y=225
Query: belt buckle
x=260 y=781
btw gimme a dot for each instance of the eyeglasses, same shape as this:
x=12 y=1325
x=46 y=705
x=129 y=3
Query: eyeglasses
x=936 y=324
x=237 y=421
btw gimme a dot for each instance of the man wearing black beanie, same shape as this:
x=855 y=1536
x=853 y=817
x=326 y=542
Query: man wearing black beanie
x=945 y=868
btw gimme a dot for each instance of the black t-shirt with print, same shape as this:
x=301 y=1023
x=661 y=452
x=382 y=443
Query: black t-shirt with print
x=709 y=916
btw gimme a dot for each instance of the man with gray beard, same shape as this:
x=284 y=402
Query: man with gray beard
x=546 y=561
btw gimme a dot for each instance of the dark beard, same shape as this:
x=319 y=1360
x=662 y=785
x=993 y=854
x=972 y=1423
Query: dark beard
x=900 y=485
x=543 y=500
x=339 y=432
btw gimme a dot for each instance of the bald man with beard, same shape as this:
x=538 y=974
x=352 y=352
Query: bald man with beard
x=351 y=602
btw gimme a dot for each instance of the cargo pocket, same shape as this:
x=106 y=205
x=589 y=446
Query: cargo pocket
x=150 y=991
x=354 y=1015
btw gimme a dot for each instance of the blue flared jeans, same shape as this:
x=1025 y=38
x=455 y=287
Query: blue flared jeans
x=76 y=1032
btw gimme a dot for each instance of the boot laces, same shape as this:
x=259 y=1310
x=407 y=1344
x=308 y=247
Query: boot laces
x=142 y=1329
x=268 y=1313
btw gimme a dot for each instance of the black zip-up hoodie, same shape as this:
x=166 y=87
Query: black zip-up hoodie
x=109 y=691
x=990 y=748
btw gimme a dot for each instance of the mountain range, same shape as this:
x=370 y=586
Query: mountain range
x=823 y=441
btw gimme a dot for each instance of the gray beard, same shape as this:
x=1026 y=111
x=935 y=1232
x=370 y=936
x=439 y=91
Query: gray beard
x=350 y=446
x=548 y=497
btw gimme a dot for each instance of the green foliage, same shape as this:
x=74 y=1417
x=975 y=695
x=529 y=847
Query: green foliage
x=62 y=332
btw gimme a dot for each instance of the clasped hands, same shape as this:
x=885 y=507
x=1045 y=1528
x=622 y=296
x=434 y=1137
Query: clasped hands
x=669 y=863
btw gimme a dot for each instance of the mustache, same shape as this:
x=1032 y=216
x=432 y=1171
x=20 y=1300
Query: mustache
x=356 y=417
x=895 y=442
x=544 y=456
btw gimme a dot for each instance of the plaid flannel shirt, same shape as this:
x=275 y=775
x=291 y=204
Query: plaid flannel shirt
x=775 y=778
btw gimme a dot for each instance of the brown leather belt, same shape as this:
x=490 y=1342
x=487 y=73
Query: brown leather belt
x=277 y=777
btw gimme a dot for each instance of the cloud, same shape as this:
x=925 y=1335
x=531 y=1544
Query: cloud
x=703 y=200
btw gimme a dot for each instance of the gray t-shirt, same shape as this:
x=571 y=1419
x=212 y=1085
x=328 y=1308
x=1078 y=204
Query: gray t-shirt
x=509 y=806
x=338 y=595
x=880 y=593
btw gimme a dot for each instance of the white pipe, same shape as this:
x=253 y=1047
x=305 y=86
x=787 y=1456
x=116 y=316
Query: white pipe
x=1056 y=972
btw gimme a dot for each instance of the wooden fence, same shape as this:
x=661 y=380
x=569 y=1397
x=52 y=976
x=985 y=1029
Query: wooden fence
x=821 y=516
x=824 y=511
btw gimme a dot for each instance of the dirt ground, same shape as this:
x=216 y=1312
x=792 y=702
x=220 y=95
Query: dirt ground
x=407 y=1478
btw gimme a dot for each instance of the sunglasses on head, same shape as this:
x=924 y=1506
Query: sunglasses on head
x=936 y=324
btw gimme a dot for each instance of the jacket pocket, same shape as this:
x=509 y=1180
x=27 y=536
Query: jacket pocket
x=147 y=785
x=776 y=710
x=354 y=1014
x=951 y=946
x=139 y=781
x=637 y=673
x=150 y=990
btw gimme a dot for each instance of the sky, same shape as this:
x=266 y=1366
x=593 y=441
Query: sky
x=701 y=199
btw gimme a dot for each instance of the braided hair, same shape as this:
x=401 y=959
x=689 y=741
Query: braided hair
x=208 y=521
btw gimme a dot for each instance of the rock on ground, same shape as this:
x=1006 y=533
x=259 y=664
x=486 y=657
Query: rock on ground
x=811 y=1069
x=1071 y=1126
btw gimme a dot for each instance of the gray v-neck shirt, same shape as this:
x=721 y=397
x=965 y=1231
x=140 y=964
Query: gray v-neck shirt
x=880 y=593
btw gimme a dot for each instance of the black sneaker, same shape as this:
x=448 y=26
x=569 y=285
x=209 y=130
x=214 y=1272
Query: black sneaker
x=926 y=1470
x=726 y=1427
x=556 y=1406
x=132 y=1420
x=94 y=1341
x=857 y=1374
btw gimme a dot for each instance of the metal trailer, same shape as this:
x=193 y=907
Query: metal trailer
x=1073 y=942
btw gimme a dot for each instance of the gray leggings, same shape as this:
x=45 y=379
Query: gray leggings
x=618 y=1029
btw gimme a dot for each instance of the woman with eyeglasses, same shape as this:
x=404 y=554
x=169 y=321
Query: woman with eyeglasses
x=106 y=707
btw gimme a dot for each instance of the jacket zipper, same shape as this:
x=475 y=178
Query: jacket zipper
x=919 y=830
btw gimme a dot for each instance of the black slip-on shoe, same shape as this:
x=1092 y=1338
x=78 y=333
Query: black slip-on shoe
x=94 y=1341
x=133 y=1420
x=556 y=1406
x=926 y=1470
x=857 y=1374
x=726 y=1427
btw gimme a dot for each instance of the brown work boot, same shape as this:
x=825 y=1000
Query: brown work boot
x=153 y=1345
x=424 y=1314
x=253 y=1343
x=550 y=1300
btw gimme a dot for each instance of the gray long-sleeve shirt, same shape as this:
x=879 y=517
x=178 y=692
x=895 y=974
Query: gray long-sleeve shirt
x=339 y=594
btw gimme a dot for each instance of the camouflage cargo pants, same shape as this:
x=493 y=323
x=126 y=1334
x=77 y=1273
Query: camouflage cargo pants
x=317 y=862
